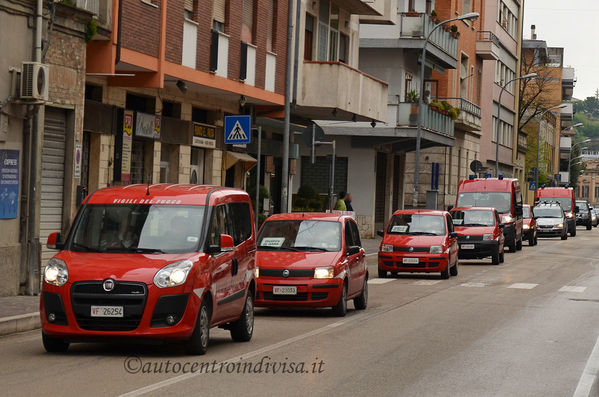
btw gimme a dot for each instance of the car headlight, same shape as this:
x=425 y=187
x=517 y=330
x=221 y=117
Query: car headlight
x=257 y=272
x=324 y=272
x=487 y=237
x=525 y=227
x=173 y=274
x=386 y=248
x=436 y=249
x=560 y=226
x=569 y=214
x=56 y=272
x=507 y=219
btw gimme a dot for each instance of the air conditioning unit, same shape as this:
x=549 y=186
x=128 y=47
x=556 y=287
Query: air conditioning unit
x=34 y=81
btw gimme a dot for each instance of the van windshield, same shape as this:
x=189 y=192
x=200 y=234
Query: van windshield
x=138 y=228
x=565 y=202
x=499 y=200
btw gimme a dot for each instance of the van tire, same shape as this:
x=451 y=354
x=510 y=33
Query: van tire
x=340 y=309
x=361 y=302
x=589 y=226
x=243 y=329
x=501 y=257
x=454 y=270
x=198 y=343
x=519 y=244
x=382 y=273
x=445 y=273
x=495 y=259
x=512 y=245
x=54 y=345
x=573 y=232
x=531 y=239
x=565 y=236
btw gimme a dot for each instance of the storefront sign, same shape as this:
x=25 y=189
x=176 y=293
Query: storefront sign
x=77 y=158
x=204 y=136
x=9 y=183
x=147 y=125
x=127 y=145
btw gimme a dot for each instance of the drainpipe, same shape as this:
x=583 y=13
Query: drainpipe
x=117 y=58
x=298 y=15
x=33 y=249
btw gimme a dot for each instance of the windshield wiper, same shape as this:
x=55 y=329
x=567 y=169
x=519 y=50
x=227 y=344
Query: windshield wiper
x=423 y=234
x=269 y=248
x=84 y=247
x=311 y=249
x=148 y=250
x=474 y=224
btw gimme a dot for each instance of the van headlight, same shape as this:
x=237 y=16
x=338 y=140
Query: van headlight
x=324 y=272
x=487 y=237
x=173 y=274
x=386 y=248
x=56 y=272
x=436 y=249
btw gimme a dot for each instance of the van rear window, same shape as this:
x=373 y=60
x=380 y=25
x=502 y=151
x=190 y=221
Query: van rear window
x=565 y=202
x=138 y=228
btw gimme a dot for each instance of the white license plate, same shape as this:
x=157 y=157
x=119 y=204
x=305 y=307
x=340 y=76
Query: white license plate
x=284 y=290
x=467 y=246
x=107 y=311
x=411 y=261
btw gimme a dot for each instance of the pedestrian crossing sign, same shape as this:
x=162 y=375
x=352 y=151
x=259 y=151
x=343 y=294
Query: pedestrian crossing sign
x=238 y=129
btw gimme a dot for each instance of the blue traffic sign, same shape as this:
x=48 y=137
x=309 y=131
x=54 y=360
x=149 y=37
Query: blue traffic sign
x=532 y=185
x=238 y=129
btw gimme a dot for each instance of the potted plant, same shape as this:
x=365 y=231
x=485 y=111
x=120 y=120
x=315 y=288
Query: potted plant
x=454 y=31
x=433 y=16
x=413 y=98
x=454 y=113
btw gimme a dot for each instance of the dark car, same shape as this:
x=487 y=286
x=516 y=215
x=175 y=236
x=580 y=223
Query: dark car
x=529 y=226
x=594 y=219
x=551 y=220
x=583 y=216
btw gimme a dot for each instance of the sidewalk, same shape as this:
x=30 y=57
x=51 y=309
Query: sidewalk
x=19 y=313
x=371 y=245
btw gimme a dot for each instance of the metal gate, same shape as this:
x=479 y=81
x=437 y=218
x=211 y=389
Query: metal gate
x=52 y=194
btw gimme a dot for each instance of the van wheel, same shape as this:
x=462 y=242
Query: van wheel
x=573 y=232
x=495 y=260
x=243 y=329
x=531 y=239
x=361 y=302
x=512 y=246
x=454 y=270
x=519 y=244
x=340 y=309
x=54 y=345
x=589 y=226
x=198 y=343
x=565 y=236
x=501 y=257
x=382 y=273
x=445 y=273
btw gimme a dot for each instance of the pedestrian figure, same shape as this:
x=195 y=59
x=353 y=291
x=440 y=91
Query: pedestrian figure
x=340 y=204
x=347 y=200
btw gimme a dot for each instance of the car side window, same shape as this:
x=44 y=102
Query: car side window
x=356 y=233
x=349 y=240
x=497 y=219
x=218 y=225
x=241 y=221
x=449 y=225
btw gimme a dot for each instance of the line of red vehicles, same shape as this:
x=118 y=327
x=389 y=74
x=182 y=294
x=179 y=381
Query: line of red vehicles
x=489 y=216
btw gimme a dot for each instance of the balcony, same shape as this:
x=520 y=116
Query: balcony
x=469 y=118
x=488 y=46
x=409 y=33
x=364 y=7
x=568 y=83
x=567 y=115
x=406 y=117
x=387 y=11
x=565 y=143
x=102 y=11
x=336 y=91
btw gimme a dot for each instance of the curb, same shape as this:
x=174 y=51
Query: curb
x=19 y=323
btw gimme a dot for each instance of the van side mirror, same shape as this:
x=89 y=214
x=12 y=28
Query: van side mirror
x=353 y=250
x=226 y=243
x=453 y=235
x=55 y=241
x=380 y=233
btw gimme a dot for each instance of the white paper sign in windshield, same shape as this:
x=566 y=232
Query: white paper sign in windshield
x=275 y=242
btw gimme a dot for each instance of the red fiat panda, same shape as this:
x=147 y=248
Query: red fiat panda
x=480 y=233
x=421 y=241
x=162 y=261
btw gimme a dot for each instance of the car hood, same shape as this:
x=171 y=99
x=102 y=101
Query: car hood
x=474 y=230
x=549 y=221
x=295 y=260
x=406 y=240
x=86 y=266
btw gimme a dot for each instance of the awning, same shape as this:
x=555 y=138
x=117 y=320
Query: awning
x=231 y=158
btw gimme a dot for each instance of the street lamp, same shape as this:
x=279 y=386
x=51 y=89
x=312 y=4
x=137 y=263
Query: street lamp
x=573 y=126
x=498 y=122
x=539 y=142
x=471 y=16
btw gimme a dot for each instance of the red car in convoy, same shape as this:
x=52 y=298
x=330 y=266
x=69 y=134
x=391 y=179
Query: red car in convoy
x=564 y=196
x=419 y=241
x=529 y=225
x=311 y=260
x=480 y=233
x=161 y=261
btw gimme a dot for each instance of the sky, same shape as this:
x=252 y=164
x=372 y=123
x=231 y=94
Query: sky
x=574 y=25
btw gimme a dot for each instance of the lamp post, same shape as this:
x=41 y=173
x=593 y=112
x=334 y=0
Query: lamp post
x=471 y=16
x=539 y=142
x=498 y=122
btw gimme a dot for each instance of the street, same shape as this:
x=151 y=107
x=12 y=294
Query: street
x=523 y=328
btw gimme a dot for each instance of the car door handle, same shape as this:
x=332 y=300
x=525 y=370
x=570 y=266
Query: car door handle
x=235 y=266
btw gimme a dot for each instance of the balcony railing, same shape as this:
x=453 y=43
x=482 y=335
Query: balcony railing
x=487 y=45
x=485 y=35
x=414 y=25
x=470 y=114
x=406 y=116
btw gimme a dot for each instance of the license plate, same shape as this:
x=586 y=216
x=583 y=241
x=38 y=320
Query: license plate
x=107 y=311
x=284 y=290
x=467 y=246
x=410 y=261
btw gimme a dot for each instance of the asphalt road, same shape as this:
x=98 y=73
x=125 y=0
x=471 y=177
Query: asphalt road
x=527 y=327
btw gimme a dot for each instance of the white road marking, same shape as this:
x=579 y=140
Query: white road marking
x=380 y=280
x=372 y=254
x=474 y=285
x=571 y=288
x=587 y=379
x=523 y=285
x=427 y=282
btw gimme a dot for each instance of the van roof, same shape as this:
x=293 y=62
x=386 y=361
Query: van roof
x=163 y=193
x=487 y=184
x=555 y=192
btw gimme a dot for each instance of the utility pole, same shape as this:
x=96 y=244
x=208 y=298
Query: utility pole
x=287 y=120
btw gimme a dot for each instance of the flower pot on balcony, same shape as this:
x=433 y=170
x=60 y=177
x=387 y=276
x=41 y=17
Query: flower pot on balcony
x=413 y=113
x=412 y=14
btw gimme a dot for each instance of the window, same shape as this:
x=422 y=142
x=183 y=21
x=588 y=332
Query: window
x=323 y=30
x=507 y=19
x=355 y=233
x=318 y=174
x=271 y=26
x=188 y=9
x=242 y=222
x=199 y=115
x=596 y=192
x=466 y=6
x=464 y=77
x=219 y=15
x=247 y=21
x=309 y=37
x=171 y=109
x=349 y=238
x=408 y=84
x=344 y=48
x=219 y=224
x=334 y=39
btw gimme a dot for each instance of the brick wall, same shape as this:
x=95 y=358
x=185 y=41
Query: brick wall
x=174 y=31
x=141 y=26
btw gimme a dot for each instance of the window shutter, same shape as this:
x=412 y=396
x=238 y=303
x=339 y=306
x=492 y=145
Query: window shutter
x=218 y=11
x=248 y=14
x=188 y=5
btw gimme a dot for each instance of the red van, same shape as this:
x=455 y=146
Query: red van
x=504 y=195
x=311 y=260
x=565 y=197
x=160 y=261
x=419 y=241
